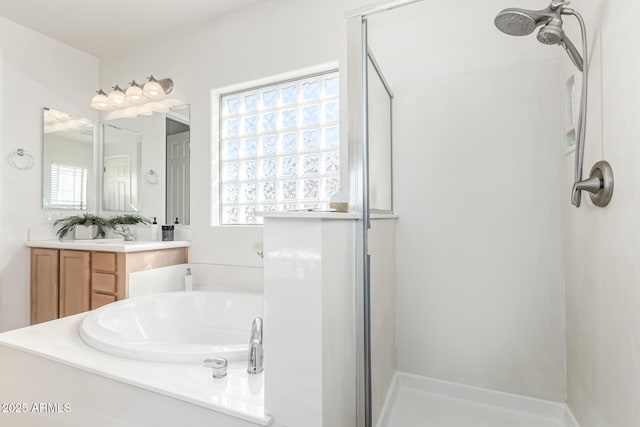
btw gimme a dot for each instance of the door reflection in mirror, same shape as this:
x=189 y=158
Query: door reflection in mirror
x=122 y=151
x=177 y=170
x=146 y=165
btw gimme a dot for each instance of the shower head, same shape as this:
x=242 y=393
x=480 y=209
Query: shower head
x=522 y=22
x=551 y=33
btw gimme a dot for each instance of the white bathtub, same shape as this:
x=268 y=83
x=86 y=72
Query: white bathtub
x=183 y=327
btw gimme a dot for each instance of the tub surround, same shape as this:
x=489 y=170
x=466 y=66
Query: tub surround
x=323 y=215
x=240 y=395
x=107 y=245
x=310 y=331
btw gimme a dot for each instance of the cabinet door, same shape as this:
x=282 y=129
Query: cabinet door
x=75 y=282
x=44 y=285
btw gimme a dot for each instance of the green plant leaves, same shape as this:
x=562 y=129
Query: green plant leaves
x=68 y=224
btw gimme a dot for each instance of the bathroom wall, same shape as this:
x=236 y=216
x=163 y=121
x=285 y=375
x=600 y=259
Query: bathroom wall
x=477 y=169
x=35 y=71
x=255 y=43
x=603 y=245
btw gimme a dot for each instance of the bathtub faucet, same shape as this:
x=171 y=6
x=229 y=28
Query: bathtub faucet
x=256 y=355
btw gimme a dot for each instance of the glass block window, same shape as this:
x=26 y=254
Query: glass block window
x=279 y=148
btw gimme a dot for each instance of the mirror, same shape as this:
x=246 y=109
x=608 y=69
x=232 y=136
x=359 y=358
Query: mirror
x=146 y=165
x=67 y=165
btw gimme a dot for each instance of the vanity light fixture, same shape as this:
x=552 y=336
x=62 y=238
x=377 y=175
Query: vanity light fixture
x=157 y=88
x=135 y=94
x=100 y=101
x=116 y=97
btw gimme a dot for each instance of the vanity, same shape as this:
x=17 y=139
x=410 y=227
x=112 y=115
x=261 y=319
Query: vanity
x=70 y=277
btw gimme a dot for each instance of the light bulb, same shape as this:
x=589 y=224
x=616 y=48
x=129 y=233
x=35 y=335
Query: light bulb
x=100 y=101
x=116 y=97
x=134 y=92
x=153 y=89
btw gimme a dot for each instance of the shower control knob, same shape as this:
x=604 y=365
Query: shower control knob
x=599 y=184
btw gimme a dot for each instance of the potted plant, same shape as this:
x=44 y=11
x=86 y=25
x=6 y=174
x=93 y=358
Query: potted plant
x=87 y=226
x=128 y=219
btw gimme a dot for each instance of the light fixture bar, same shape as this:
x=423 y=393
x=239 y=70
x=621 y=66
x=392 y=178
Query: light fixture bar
x=134 y=94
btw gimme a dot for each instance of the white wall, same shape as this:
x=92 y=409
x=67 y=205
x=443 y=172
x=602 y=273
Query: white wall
x=477 y=169
x=253 y=44
x=603 y=245
x=35 y=71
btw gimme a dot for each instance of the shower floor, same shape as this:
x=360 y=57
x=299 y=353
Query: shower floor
x=417 y=406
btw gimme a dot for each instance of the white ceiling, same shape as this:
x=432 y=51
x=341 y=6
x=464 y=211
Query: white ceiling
x=106 y=27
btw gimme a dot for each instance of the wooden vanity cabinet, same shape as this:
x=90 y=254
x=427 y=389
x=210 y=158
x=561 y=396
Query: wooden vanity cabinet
x=75 y=282
x=44 y=284
x=66 y=282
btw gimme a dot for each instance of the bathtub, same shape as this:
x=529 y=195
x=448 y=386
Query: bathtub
x=181 y=327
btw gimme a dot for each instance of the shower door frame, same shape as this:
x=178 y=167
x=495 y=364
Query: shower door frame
x=358 y=142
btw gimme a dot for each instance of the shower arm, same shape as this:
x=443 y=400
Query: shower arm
x=579 y=185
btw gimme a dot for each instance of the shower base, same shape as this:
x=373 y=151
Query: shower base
x=415 y=401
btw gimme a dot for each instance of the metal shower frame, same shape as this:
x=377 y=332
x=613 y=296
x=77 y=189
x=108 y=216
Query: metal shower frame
x=358 y=141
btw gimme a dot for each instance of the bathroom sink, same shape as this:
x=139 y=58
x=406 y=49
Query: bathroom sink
x=183 y=327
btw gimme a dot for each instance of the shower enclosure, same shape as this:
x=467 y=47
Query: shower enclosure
x=469 y=137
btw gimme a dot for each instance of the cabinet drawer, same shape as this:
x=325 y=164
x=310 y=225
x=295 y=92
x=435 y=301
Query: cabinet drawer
x=102 y=282
x=98 y=300
x=104 y=261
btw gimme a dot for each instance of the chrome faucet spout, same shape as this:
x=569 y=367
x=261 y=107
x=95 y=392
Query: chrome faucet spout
x=125 y=232
x=256 y=351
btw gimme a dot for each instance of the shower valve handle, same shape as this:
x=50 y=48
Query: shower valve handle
x=599 y=184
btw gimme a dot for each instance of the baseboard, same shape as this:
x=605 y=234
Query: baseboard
x=533 y=406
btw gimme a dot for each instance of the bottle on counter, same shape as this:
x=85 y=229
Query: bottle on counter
x=154 y=230
x=167 y=233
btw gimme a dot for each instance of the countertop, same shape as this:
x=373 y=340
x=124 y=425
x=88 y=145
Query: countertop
x=107 y=245
x=239 y=395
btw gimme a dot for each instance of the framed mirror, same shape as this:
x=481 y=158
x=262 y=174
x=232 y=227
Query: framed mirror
x=146 y=165
x=67 y=166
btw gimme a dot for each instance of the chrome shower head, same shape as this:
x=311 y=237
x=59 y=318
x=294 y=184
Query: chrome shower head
x=521 y=22
x=551 y=33
x=516 y=22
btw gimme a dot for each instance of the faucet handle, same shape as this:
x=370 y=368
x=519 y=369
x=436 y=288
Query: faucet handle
x=219 y=365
